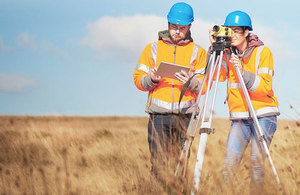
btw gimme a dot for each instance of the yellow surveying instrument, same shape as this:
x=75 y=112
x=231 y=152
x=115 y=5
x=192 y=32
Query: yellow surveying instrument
x=221 y=31
x=204 y=112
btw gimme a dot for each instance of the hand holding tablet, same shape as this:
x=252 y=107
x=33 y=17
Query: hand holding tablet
x=168 y=70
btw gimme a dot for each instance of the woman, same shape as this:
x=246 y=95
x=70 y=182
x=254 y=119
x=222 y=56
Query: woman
x=255 y=62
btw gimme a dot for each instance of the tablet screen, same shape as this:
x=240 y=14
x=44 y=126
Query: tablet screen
x=168 y=70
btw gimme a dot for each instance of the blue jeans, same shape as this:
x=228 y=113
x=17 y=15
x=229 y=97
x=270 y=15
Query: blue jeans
x=166 y=136
x=239 y=137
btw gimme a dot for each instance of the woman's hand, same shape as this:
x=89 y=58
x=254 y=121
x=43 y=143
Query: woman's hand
x=237 y=63
x=212 y=38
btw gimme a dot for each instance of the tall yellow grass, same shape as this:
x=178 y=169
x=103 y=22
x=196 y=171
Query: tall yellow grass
x=110 y=155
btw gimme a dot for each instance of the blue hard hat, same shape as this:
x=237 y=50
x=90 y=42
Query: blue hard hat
x=238 y=18
x=181 y=13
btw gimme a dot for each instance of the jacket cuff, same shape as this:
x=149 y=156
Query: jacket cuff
x=147 y=83
x=249 y=79
x=195 y=85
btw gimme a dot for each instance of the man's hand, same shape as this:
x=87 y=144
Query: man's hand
x=154 y=77
x=183 y=76
x=237 y=63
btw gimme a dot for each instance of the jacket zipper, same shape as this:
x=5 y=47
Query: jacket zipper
x=172 y=109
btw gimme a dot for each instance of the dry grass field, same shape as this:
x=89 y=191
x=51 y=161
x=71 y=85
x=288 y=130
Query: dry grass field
x=109 y=155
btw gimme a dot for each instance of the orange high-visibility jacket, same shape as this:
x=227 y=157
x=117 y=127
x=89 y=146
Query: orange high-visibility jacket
x=258 y=76
x=163 y=97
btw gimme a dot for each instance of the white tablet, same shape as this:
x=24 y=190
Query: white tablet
x=168 y=70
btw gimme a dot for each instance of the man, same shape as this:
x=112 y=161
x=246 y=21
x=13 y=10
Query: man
x=168 y=119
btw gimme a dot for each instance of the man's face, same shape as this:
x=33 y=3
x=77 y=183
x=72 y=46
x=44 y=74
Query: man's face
x=178 y=32
x=238 y=36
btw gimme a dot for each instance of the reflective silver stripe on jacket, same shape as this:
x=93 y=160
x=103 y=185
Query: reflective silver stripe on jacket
x=265 y=70
x=259 y=49
x=143 y=67
x=238 y=85
x=267 y=111
x=168 y=106
x=154 y=52
x=200 y=71
x=255 y=84
x=194 y=53
x=257 y=78
x=234 y=85
x=194 y=57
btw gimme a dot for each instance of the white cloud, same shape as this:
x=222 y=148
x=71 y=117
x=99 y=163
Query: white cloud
x=200 y=30
x=125 y=37
x=3 y=47
x=49 y=48
x=15 y=83
x=44 y=46
x=275 y=39
x=27 y=41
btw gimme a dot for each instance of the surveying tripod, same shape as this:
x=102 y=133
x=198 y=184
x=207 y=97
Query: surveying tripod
x=214 y=64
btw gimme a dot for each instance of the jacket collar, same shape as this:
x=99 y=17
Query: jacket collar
x=165 y=37
x=254 y=41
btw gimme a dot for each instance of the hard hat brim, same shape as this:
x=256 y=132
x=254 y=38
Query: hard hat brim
x=180 y=22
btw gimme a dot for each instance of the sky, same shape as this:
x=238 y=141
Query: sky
x=75 y=57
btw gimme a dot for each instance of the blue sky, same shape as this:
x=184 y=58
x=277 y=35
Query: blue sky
x=77 y=57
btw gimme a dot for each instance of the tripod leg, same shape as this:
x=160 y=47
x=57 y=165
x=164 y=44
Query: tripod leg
x=258 y=128
x=193 y=124
x=183 y=157
x=206 y=125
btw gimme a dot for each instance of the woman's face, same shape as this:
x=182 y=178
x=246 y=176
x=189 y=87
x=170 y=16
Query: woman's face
x=238 y=36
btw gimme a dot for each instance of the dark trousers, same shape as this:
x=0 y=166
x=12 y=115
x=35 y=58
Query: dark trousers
x=166 y=136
